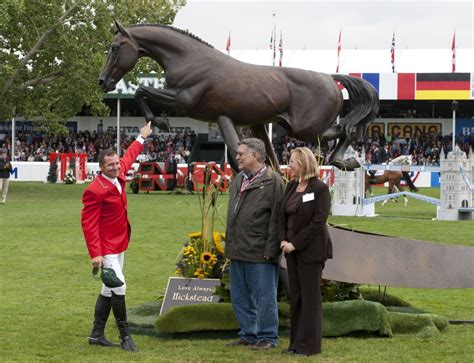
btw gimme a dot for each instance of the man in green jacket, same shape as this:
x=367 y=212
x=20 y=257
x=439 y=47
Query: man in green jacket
x=252 y=245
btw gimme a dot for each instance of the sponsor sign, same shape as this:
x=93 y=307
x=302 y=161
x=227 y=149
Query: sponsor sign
x=126 y=89
x=376 y=127
x=465 y=128
x=30 y=127
x=409 y=130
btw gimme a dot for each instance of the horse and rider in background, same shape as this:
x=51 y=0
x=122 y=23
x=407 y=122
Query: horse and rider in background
x=393 y=178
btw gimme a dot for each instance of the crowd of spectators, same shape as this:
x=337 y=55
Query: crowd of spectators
x=159 y=147
x=424 y=148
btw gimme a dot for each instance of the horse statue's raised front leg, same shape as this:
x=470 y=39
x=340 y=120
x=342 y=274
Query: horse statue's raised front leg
x=163 y=97
x=231 y=138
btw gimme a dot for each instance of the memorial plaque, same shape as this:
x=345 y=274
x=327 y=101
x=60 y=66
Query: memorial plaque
x=184 y=291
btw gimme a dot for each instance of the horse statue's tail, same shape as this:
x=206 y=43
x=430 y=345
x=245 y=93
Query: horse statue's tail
x=409 y=182
x=364 y=104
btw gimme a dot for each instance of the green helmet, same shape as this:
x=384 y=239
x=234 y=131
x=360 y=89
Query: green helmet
x=108 y=276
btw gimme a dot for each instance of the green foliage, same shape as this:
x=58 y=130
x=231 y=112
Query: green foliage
x=203 y=256
x=135 y=183
x=223 y=290
x=53 y=52
x=383 y=298
x=339 y=291
x=53 y=171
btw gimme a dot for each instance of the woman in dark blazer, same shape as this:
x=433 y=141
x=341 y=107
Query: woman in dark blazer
x=307 y=245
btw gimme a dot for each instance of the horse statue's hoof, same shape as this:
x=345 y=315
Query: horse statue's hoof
x=162 y=123
x=347 y=165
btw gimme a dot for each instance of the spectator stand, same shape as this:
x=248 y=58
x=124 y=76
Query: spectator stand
x=64 y=161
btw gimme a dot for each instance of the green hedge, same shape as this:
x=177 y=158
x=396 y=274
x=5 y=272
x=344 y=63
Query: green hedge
x=345 y=317
x=423 y=325
x=340 y=318
x=208 y=317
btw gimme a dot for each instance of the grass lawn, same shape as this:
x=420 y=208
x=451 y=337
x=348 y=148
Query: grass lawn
x=47 y=293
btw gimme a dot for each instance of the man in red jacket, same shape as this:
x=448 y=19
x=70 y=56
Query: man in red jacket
x=107 y=233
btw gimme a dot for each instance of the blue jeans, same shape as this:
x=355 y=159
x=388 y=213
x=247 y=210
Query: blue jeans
x=253 y=291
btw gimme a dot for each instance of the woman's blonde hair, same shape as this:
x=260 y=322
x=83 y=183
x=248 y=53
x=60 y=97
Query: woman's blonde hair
x=305 y=158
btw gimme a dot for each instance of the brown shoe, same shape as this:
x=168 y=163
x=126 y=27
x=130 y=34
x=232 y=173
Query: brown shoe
x=238 y=342
x=262 y=345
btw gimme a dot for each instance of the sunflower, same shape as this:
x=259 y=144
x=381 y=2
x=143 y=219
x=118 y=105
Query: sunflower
x=189 y=251
x=208 y=258
x=195 y=235
x=200 y=273
x=216 y=236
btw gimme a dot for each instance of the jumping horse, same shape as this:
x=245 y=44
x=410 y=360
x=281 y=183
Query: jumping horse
x=393 y=178
x=205 y=84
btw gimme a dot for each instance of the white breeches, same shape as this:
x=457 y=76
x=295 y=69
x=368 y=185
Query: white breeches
x=115 y=262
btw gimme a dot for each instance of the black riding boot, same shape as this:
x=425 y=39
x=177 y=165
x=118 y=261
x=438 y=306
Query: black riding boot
x=101 y=314
x=120 y=313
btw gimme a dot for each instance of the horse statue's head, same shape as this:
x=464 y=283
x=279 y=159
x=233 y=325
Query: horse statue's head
x=123 y=55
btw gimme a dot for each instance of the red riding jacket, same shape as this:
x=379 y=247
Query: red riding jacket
x=104 y=216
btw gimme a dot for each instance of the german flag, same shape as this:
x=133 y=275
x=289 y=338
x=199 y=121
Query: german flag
x=443 y=86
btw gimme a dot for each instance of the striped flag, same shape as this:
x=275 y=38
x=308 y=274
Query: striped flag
x=280 y=48
x=392 y=52
x=339 y=46
x=227 y=47
x=443 y=86
x=453 y=49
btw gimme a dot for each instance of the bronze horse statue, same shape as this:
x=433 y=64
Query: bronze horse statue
x=208 y=85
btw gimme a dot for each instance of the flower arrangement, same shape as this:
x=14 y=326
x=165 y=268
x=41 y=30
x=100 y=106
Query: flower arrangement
x=134 y=184
x=202 y=260
x=203 y=256
x=69 y=178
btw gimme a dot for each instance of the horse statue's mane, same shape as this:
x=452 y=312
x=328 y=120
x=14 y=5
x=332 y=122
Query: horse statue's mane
x=185 y=32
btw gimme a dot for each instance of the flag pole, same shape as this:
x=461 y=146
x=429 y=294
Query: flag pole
x=227 y=47
x=453 y=49
x=392 y=52
x=273 y=47
x=339 y=46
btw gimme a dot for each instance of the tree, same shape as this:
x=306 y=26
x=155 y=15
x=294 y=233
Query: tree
x=53 y=171
x=51 y=53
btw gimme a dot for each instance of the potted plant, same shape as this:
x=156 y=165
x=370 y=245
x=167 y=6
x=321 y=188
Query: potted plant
x=134 y=184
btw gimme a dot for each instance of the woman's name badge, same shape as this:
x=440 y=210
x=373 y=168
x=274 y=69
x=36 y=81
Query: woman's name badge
x=308 y=197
